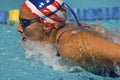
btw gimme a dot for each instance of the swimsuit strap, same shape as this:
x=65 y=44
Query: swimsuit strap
x=58 y=38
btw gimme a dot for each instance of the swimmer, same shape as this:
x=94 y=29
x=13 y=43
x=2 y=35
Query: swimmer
x=45 y=22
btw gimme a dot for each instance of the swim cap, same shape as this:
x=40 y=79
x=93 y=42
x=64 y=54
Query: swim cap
x=51 y=11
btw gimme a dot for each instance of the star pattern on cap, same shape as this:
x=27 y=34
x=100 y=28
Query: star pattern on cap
x=41 y=4
x=48 y=10
x=47 y=1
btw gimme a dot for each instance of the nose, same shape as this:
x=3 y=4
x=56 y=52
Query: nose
x=20 y=29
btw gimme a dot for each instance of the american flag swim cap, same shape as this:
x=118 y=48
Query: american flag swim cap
x=51 y=11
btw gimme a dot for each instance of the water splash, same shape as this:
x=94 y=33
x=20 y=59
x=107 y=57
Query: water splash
x=46 y=54
x=116 y=35
x=111 y=34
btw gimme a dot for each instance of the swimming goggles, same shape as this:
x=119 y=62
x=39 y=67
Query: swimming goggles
x=26 y=22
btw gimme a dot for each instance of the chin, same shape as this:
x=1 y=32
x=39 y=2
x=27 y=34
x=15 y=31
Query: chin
x=24 y=39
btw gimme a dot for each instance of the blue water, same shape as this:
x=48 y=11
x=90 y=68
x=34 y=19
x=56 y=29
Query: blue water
x=15 y=65
x=15 y=4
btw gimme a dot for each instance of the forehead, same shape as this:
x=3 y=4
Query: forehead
x=24 y=13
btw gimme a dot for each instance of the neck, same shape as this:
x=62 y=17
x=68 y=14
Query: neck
x=54 y=34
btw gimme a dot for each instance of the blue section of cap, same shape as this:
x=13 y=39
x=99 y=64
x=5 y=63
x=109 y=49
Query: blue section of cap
x=41 y=3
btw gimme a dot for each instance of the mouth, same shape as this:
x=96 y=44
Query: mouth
x=24 y=39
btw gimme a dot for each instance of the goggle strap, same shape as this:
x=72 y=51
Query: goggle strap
x=80 y=26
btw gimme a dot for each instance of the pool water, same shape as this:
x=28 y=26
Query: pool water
x=20 y=63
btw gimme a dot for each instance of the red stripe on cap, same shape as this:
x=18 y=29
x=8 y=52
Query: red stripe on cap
x=52 y=25
x=26 y=7
x=54 y=17
x=55 y=4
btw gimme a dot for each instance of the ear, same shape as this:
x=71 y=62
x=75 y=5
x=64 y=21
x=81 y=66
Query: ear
x=47 y=29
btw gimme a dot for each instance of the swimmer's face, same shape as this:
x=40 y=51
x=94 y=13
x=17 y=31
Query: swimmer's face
x=29 y=30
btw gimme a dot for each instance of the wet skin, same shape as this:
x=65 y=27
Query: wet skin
x=86 y=48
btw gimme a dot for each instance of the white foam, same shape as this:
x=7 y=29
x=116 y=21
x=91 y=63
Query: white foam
x=116 y=35
x=46 y=53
